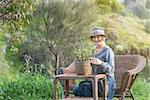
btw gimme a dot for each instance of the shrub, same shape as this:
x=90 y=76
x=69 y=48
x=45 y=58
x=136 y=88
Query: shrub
x=108 y=6
x=27 y=86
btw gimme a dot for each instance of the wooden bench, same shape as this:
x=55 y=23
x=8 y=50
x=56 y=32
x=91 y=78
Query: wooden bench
x=127 y=67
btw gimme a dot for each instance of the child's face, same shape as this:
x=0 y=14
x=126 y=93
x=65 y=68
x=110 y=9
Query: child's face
x=98 y=39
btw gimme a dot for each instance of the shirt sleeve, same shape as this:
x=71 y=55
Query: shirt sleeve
x=108 y=65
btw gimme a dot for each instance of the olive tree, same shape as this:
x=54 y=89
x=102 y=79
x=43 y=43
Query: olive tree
x=15 y=15
x=61 y=26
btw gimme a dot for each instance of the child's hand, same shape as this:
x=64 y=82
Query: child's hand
x=96 y=61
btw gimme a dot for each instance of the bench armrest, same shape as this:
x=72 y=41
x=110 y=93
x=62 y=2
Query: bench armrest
x=125 y=79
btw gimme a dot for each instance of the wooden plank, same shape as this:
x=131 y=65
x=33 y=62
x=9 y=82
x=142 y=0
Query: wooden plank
x=81 y=98
x=78 y=98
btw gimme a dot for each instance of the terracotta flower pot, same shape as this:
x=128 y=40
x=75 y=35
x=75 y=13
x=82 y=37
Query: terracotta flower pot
x=83 y=67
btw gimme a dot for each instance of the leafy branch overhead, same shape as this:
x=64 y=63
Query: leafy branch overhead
x=15 y=9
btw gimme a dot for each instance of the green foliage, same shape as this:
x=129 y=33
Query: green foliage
x=12 y=57
x=141 y=89
x=15 y=15
x=84 y=51
x=16 y=10
x=26 y=86
x=108 y=6
x=19 y=13
x=61 y=27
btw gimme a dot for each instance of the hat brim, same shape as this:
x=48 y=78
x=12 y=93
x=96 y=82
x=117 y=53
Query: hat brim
x=97 y=35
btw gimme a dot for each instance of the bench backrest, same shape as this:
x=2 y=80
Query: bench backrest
x=124 y=63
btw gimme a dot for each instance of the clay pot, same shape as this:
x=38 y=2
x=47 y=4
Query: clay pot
x=83 y=67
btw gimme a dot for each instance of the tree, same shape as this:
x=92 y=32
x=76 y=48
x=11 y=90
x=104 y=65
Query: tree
x=62 y=26
x=15 y=15
x=14 y=9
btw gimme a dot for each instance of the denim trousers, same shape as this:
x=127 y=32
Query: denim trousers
x=85 y=88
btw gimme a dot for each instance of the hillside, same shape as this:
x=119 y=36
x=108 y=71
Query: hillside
x=125 y=32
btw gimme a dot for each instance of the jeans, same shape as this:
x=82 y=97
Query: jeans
x=85 y=89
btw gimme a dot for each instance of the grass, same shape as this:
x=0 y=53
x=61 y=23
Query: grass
x=141 y=89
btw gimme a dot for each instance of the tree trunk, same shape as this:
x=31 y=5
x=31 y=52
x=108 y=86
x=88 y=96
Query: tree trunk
x=57 y=60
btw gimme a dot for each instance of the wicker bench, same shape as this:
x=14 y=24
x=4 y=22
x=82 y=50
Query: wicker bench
x=127 y=68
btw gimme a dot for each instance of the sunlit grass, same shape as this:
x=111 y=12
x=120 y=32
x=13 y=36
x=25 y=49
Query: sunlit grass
x=140 y=90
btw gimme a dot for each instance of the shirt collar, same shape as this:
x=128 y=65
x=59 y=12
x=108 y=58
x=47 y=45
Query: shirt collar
x=103 y=49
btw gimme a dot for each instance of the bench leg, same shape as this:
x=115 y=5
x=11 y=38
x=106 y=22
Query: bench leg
x=95 y=88
x=66 y=88
x=105 y=88
x=55 y=89
x=123 y=96
x=131 y=95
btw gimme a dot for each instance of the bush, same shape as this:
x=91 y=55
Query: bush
x=27 y=86
x=108 y=6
